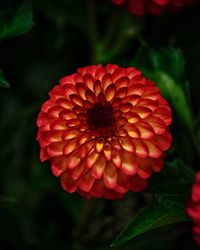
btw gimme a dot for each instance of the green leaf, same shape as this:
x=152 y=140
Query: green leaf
x=18 y=23
x=3 y=82
x=175 y=94
x=164 y=210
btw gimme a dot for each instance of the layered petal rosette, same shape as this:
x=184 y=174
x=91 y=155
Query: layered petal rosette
x=104 y=130
x=156 y=7
x=193 y=208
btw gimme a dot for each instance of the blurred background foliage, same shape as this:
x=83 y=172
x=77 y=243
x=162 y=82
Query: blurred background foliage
x=41 y=41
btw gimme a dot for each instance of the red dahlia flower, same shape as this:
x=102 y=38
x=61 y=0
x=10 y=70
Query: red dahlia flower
x=140 y=7
x=194 y=207
x=104 y=130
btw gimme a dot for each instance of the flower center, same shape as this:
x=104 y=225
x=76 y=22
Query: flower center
x=100 y=116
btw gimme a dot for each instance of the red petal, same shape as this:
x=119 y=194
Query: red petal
x=58 y=165
x=68 y=183
x=137 y=184
x=86 y=181
x=110 y=176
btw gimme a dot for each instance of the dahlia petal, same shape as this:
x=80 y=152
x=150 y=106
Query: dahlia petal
x=87 y=105
x=142 y=112
x=47 y=105
x=116 y=102
x=58 y=165
x=119 y=73
x=116 y=159
x=145 y=130
x=110 y=92
x=78 y=171
x=56 y=149
x=133 y=117
x=68 y=183
x=153 y=148
x=98 y=168
x=67 y=115
x=117 y=114
x=106 y=80
x=156 y=164
x=164 y=115
x=110 y=176
x=107 y=151
x=58 y=125
x=77 y=77
x=41 y=118
x=101 y=98
x=118 y=1
x=121 y=82
x=112 y=194
x=122 y=182
x=110 y=68
x=69 y=146
x=136 y=183
x=63 y=103
x=67 y=90
x=141 y=149
x=164 y=140
x=132 y=99
x=129 y=164
x=144 y=170
x=97 y=87
x=54 y=111
x=137 y=7
x=53 y=136
x=121 y=121
x=67 y=79
x=126 y=107
x=86 y=181
x=56 y=93
x=73 y=160
x=132 y=131
x=147 y=103
x=90 y=96
x=97 y=189
x=127 y=144
x=91 y=159
x=121 y=92
x=133 y=72
x=157 y=124
x=136 y=88
x=89 y=80
x=43 y=154
x=151 y=93
x=99 y=145
x=81 y=89
x=75 y=99
x=70 y=133
x=85 y=149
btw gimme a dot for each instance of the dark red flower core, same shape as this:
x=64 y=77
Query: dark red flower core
x=100 y=116
x=104 y=130
x=194 y=207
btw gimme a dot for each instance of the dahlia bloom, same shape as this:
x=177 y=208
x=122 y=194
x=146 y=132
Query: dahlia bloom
x=156 y=7
x=104 y=130
x=193 y=208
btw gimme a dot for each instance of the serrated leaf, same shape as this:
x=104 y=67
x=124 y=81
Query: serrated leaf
x=19 y=23
x=163 y=210
x=3 y=82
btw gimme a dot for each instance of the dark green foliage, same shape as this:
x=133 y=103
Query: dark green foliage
x=35 y=213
